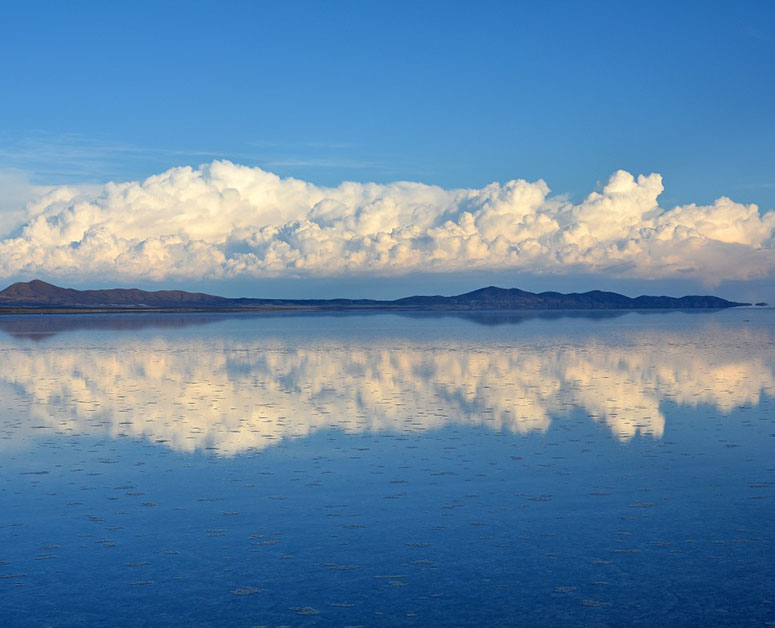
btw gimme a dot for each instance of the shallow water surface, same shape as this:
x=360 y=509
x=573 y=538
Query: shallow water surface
x=386 y=470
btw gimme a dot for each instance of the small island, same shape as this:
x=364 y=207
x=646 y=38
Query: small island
x=40 y=297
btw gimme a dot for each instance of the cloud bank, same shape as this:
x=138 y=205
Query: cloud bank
x=226 y=221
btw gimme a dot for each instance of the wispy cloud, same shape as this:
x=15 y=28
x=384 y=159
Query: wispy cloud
x=223 y=220
x=323 y=163
x=71 y=157
x=767 y=185
x=74 y=158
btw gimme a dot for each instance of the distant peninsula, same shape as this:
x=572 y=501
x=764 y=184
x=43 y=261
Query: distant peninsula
x=42 y=297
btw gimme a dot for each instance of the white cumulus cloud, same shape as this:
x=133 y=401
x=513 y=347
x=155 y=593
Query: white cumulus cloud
x=223 y=220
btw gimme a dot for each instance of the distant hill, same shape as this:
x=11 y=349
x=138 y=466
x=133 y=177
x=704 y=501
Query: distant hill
x=39 y=295
x=514 y=299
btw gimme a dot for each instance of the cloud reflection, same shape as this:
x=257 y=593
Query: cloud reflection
x=232 y=395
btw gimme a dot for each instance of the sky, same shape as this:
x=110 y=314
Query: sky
x=383 y=149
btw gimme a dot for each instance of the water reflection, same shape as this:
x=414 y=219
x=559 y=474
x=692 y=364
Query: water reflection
x=232 y=394
x=40 y=327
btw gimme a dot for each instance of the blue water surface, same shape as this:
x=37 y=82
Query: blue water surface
x=388 y=470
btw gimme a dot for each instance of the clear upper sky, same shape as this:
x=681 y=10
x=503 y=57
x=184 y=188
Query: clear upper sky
x=455 y=94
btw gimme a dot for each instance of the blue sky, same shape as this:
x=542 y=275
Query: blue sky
x=445 y=93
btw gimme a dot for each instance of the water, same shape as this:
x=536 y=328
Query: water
x=386 y=470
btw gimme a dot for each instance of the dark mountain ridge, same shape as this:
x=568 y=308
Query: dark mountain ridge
x=39 y=295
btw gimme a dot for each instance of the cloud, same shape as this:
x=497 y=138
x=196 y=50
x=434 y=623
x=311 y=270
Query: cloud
x=224 y=221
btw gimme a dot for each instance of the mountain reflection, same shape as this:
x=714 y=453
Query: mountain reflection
x=40 y=327
x=233 y=395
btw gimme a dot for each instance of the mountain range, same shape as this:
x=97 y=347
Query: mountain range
x=39 y=295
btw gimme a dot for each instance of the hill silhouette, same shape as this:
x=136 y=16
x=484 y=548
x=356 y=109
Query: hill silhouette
x=40 y=295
